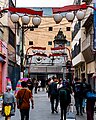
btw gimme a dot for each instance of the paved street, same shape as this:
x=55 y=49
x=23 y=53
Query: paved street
x=42 y=110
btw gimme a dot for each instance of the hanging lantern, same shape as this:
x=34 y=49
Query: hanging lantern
x=14 y=18
x=57 y=18
x=80 y=15
x=36 y=21
x=70 y=16
x=25 y=19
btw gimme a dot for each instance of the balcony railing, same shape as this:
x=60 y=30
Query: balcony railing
x=76 y=29
x=76 y=51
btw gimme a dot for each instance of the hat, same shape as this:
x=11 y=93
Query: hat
x=8 y=87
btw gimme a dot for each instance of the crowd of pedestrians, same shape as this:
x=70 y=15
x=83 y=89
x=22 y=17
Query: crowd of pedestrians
x=58 y=90
x=79 y=89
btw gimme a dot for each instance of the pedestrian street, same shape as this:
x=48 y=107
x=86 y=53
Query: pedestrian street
x=42 y=110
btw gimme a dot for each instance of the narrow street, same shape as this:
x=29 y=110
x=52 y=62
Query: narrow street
x=42 y=110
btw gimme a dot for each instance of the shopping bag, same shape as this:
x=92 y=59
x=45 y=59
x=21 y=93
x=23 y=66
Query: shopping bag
x=70 y=116
x=7 y=110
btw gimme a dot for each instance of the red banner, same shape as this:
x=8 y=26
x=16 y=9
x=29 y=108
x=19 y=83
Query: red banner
x=69 y=8
x=23 y=10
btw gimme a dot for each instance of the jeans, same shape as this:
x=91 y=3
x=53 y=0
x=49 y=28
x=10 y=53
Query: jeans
x=52 y=100
x=63 y=112
x=24 y=114
x=78 y=104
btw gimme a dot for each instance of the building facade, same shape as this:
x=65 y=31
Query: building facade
x=43 y=37
x=83 y=53
x=9 y=68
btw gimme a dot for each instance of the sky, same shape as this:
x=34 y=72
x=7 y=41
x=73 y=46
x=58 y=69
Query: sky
x=43 y=3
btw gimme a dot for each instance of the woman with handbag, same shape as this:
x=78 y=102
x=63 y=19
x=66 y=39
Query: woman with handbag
x=8 y=105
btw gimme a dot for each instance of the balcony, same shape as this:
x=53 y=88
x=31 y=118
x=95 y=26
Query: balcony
x=87 y=49
x=76 y=29
x=87 y=42
x=77 y=49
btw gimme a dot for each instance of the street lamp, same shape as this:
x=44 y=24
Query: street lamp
x=36 y=20
x=70 y=15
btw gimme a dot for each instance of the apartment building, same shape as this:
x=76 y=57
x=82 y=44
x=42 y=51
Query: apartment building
x=83 y=53
x=9 y=68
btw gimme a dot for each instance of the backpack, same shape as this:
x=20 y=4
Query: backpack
x=53 y=88
x=77 y=88
x=63 y=94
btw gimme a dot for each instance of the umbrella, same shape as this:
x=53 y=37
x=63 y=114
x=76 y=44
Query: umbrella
x=18 y=86
x=25 y=79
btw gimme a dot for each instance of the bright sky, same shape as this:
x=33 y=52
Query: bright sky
x=43 y=3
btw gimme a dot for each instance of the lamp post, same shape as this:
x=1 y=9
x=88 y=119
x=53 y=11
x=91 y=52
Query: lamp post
x=24 y=27
x=58 y=17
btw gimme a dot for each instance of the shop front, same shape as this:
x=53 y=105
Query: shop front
x=3 y=66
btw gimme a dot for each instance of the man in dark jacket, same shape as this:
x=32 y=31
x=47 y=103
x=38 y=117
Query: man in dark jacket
x=53 y=94
x=65 y=98
x=78 y=95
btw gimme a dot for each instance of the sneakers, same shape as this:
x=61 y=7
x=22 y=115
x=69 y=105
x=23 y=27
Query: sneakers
x=52 y=112
x=77 y=114
x=55 y=110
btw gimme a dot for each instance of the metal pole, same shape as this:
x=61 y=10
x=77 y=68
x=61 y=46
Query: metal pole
x=22 y=54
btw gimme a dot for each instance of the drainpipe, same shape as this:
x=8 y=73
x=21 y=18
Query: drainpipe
x=94 y=42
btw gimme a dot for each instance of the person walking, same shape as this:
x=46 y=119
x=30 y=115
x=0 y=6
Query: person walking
x=65 y=98
x=78 y=95
x=90 y=105
x=26 y=96
x=53 y=95
x=9 y=103
x=85 y=85
x=30 y=84
x=36 y=86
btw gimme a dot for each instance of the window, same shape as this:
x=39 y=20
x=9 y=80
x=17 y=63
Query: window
x=68 y=43
x=11 y=3
x=18 y=25
x=50 y=28
x=67 y=28
x=1 y=34
x=11 y=38
x=49 y=42
x=18 y=49
x=30 y=42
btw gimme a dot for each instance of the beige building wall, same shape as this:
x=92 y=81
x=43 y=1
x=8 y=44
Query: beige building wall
x=41 y=35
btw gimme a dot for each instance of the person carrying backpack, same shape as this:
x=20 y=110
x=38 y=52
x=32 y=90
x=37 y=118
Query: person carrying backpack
x=85 y=87
x=65 y=99
x=53 y=95
x=78 y=95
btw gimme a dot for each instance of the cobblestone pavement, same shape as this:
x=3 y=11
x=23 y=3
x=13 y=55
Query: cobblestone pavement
x=42 y=110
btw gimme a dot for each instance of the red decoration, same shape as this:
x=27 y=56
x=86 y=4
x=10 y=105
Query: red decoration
x=58 y=48
x=23 y=10
x=39 y=54
x=56 y=54
x=39 y=48
x=69 y=8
